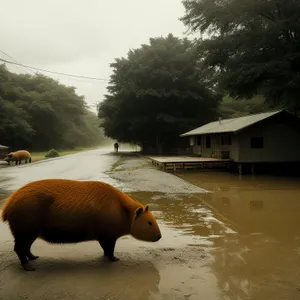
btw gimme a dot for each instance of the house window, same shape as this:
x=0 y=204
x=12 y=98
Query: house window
x=198 y=140
x=207 y=141
x=257 y=142
x=226 y=140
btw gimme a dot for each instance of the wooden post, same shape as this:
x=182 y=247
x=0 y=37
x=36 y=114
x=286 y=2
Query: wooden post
x=240 y=170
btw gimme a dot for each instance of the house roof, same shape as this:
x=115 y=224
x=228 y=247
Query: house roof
x=230 y=125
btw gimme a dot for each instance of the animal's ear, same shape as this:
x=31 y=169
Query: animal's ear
x=147 y=208
x=10 y=155
x=138 y=211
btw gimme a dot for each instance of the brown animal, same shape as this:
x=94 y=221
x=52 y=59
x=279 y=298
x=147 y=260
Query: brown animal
x=69 y=211
x=18 y=156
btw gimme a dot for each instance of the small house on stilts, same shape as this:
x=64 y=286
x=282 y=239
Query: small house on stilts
x=264 y=140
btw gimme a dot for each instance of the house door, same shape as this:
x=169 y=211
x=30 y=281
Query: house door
x=198 y=146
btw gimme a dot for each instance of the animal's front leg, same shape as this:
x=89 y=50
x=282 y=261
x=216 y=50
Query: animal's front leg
x=108 y=246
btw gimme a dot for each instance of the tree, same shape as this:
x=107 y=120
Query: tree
x=156 y=93
x=254 y=46
x=14 y=125
x=231 y=108
x=38 y=113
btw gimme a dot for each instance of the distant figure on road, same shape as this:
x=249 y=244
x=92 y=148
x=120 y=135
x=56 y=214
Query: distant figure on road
x=116 y=145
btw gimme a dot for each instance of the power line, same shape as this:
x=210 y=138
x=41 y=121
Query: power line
x=58 y=73
x=15 y=60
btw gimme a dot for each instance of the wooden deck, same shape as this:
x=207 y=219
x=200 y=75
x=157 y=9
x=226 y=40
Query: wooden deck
x=188 y=162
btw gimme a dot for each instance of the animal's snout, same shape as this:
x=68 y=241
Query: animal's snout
x=158 y=237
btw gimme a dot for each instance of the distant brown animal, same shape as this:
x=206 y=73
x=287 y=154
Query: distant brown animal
x=18 y=156
x=69 y=211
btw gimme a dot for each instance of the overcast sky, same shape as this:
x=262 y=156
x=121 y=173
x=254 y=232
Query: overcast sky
x=82 y=37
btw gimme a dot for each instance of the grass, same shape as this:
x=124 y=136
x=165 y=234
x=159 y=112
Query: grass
x=37 y=156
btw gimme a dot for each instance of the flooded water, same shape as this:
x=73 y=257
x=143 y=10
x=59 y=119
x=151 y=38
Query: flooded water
x=262 y=260
x=240 y=241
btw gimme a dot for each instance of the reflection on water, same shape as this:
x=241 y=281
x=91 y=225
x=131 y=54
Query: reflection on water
x=263 y=204
x=262 y=260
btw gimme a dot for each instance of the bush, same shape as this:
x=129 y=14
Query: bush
x=51 y=153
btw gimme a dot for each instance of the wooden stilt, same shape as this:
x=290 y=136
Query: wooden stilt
x=240 y=169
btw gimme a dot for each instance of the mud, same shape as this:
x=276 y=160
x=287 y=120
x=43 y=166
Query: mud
x=137 y=174
x=238 y=241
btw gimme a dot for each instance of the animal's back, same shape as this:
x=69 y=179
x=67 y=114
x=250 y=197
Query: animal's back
x=72 y=195
x=71 y=206
x=22 y=153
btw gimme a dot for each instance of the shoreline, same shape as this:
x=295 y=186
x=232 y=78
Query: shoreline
x=138 y=175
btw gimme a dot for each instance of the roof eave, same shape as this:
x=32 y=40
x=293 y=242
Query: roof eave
x=204 y=133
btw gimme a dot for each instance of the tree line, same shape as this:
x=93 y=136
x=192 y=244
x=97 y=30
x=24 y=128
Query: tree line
x=247 y=61
x=39 y=113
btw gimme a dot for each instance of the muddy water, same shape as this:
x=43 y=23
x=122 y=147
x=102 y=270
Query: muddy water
x=241 y=241
x=262 y=260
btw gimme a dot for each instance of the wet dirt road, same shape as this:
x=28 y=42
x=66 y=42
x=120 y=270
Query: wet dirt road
x=240 y=241
x=87 y=165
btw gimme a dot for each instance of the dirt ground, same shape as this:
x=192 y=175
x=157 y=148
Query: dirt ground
x=204 y=253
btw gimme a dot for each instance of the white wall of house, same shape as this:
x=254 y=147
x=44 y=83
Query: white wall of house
x=280 y=144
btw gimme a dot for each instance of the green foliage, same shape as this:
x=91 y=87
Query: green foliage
x=231 y=108
x=254 y=46
x=156 y=93
x=38 y=113
x=52 y=153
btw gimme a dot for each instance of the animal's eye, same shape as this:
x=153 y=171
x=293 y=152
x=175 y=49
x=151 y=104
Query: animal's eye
x=150 y=223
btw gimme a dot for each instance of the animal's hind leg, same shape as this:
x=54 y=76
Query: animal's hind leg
x=19 y=248
x=26 y=222
x=22 y=248
x=31 y=238
x=30 y=255
x=108 y=246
